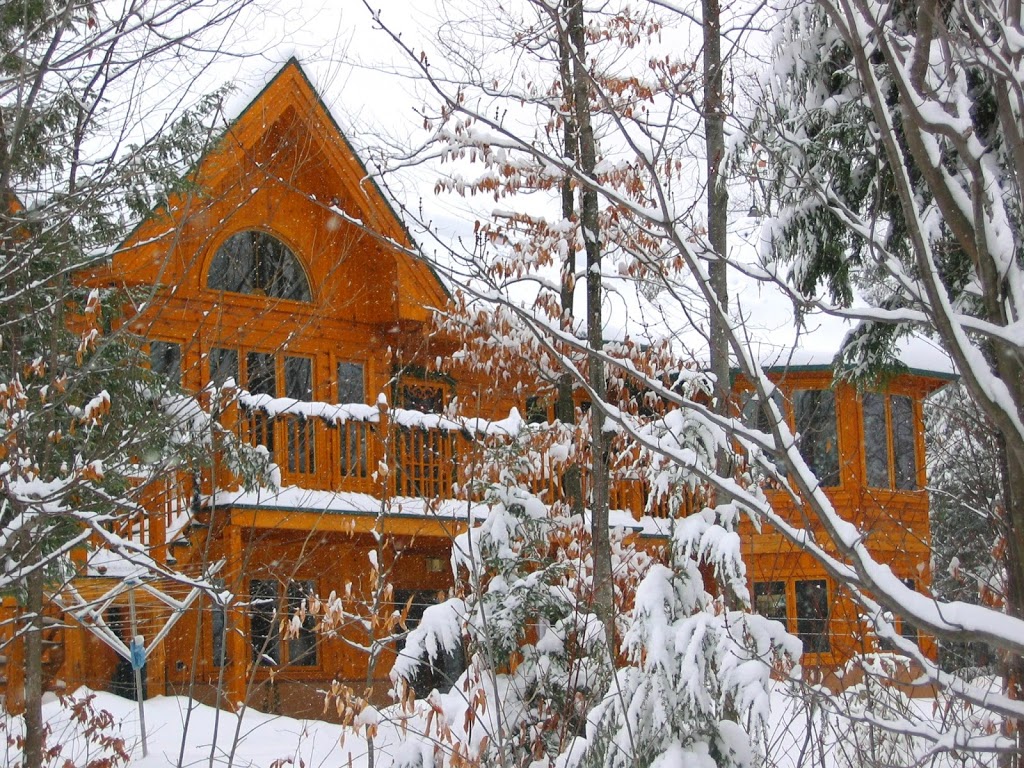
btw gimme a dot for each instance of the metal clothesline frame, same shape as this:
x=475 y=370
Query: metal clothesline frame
x=90 y=615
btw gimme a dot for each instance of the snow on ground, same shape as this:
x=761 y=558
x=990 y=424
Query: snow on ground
x=270 y=741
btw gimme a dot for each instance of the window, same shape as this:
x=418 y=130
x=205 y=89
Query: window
x=770 y=600
x=263 y=621
x=223 y=365
x=876 y=448
x=814 y=411
x=536 y=410
x=904 y=444
x=265 y=611
x=445 y=668
x=754 y=415
x=254 y=262
x=218 y=625
x=421 y=396
x=261 y=379
x=890 y=449
x=351 y=383
x=302 y=647
x=296 y=382
x=261 y=373
x=812 y=615
x=418 y=601
x=352 y=389
x=298 y=385
x=165 y=361
x=425 y=459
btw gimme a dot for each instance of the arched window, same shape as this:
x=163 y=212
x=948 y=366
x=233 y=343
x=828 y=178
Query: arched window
x=254 y=262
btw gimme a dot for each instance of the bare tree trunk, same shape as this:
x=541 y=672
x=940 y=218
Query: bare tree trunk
x=565 y=405
x=587 y=162
x=718 y=201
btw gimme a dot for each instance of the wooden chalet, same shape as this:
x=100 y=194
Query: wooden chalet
x=266 y=273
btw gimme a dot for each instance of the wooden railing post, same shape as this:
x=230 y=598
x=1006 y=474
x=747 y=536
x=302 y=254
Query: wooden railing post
x=157 y=518
x=227 y=413
x=14 y=699
x=386 y=453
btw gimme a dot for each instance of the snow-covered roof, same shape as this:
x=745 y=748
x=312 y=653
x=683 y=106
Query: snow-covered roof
x=921 y=356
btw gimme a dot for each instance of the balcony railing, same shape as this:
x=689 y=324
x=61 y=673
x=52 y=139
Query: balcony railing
x=364 y=449
x=401 y=453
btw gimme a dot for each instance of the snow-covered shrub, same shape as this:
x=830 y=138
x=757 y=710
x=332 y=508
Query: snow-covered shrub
x=537 y=656
x=696 y=687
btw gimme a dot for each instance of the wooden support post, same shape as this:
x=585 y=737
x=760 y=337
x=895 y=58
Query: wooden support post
x=75 y=638
x=387 y=453
x=14 y=651
x=236 y=646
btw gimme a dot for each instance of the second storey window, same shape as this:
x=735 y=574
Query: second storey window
x=261 y=373
x=223 y=365
x=814 y=411
x=298 y=385
x=424 y=459
x=353 y=444
x=256 y=263
x=351 y=383
x=755 y=415
x=890 y=449
x=273 y=376
x=165 y=361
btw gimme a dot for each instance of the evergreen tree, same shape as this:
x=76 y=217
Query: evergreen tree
x=85 y=426
x=894 y=139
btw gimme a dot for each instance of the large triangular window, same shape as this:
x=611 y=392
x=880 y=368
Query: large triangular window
x=257 y=263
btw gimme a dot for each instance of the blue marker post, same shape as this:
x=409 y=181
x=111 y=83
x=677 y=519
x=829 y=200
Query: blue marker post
x=138 y=660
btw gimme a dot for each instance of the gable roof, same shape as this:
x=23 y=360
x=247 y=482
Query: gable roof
x=290 y=98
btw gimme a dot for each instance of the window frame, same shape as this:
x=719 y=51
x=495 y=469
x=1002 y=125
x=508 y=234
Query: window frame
x=177 y=360
x=255 y=283
x=895 y=481
x=794 y=399
x=285 y=653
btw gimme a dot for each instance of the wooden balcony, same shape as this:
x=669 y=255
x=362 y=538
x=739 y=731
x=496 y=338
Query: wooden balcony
x=401 y=454
x=372 y=450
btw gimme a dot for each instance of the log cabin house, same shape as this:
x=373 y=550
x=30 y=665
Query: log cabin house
x=267 y=274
